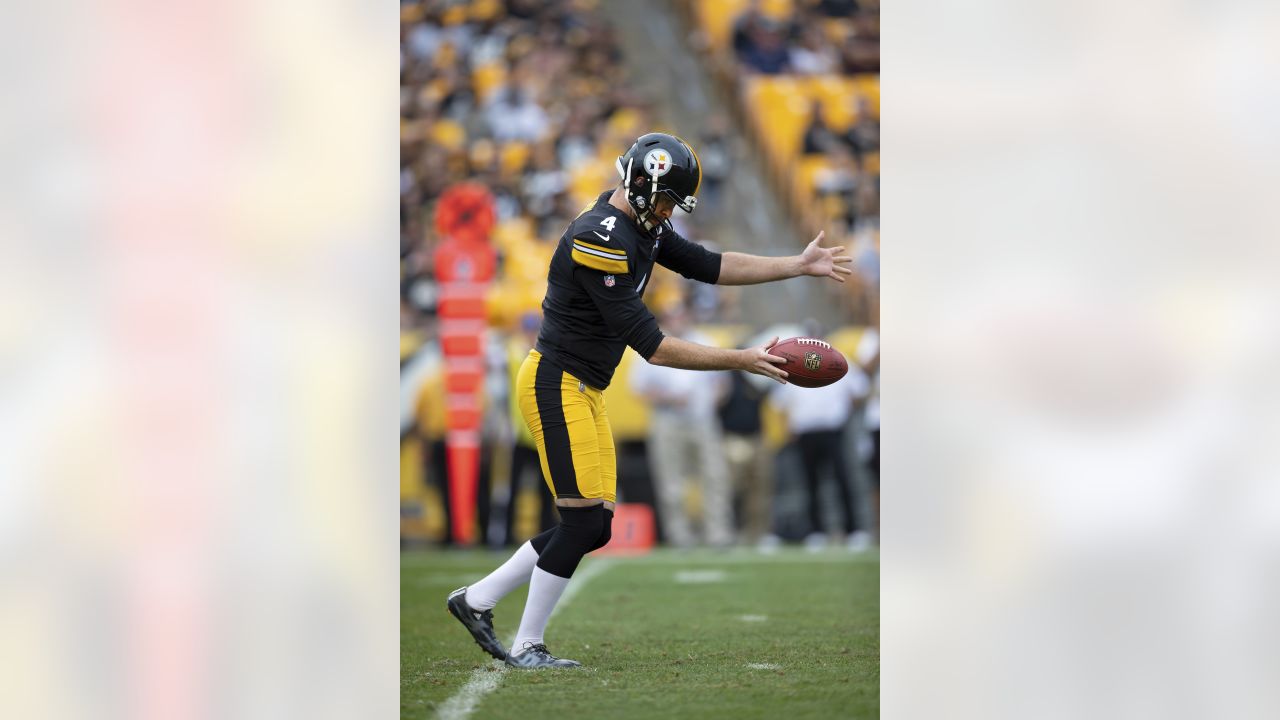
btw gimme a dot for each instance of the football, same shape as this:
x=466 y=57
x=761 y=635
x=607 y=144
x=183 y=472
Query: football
x=811 y=363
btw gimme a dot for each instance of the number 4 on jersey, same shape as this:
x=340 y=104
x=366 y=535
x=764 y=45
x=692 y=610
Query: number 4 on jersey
x=608 y=223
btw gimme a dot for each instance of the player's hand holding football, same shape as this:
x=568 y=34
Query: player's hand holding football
x=758 y=360
x=824 y=262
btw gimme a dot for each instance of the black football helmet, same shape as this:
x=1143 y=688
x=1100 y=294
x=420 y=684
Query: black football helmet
x=659 y=164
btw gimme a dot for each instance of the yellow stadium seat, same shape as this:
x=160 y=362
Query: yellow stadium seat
x=448 y=134
x=716 y=17
x=782 y=107
x=778 y=9
x=839 y=98
x=482 y=10
x=513 y=156
x=589 y=180
x=871 y=163
x=410 y=14
x=832 y=206
x=453 y=15
x=625 y=123
x=446 y=56
x=837 y=29
x=869 y=88
x=487 y=77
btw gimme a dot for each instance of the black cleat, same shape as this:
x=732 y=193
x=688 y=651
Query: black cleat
x=536 y=656
x=478 y=623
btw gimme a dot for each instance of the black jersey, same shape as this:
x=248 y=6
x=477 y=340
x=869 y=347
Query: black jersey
x=594 y=307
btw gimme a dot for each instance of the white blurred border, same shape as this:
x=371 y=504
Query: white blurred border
x=197 y=470
x=1081 y=360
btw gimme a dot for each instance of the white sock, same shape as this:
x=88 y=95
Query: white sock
x=513 y=573
x=544 y=592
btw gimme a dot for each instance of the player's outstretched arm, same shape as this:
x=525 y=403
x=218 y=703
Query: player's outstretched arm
x=743 y=269
x=677 y=353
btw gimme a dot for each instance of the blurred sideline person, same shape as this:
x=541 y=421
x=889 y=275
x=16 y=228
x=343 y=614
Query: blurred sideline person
x=592 y=312
x=685 y=441
x=872 y=424
x=748 y=460
x=868 y=356
x=817 y=421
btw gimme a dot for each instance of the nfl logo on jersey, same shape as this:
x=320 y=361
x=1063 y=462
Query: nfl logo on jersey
x=608 y=281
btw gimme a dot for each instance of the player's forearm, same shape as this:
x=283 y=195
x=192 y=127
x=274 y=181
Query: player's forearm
x=743 y=269
x=677 y=353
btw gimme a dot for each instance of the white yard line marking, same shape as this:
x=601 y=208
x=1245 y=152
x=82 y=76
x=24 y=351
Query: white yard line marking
x=483 y=681
x=487 y=678
x=764 y=666
x=698 y=577
x=753 y=618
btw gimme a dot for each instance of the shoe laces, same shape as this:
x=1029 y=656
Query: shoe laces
x=537 y=648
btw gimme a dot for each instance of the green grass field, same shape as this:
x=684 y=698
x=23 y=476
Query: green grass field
x=675 y=634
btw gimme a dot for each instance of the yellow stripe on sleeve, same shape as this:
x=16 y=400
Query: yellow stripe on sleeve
x=616 y=252
x=618 y=267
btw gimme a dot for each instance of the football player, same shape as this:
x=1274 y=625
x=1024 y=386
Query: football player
x=592 y=311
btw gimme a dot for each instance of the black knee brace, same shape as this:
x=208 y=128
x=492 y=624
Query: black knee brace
x=579 y=529
x=539 y=541
x=606 y=532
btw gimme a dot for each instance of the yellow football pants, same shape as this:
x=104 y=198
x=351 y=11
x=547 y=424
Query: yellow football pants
x=571 y=430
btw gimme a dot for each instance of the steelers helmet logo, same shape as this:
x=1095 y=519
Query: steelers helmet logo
x=657 y=162
x=812 y=360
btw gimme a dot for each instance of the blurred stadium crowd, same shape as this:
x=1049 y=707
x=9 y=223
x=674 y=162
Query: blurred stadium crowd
x=807 y=79
x=531 y=99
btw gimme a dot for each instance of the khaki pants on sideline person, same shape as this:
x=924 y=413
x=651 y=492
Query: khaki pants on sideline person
x=751 y=476
x=681 y=449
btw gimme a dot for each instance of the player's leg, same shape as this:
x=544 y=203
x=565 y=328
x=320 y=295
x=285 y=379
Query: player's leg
x=832 y=441
x=755 y=502
x=850 y=506
x=717 y=493
x=811 y=456
x=667 y=453
x=735 y=456
x=608 y=471
x=873 y=464
x=571 y=447
x=547 y=516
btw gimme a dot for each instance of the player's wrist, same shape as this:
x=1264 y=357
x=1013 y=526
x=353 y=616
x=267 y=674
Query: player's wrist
x=796 y=266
